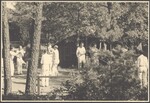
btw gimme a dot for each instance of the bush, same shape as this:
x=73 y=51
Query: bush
x=114 y=81
x=21 y=96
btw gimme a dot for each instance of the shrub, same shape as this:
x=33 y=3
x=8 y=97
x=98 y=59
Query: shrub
x=114 y=81
x=22 y=96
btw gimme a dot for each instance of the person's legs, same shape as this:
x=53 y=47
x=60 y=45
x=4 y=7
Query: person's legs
x=140 y=77
x=17 y=67
x=83 y=62
x=78 y=63
x=145 y=81
x=43 y=80
x=20 y=68
x=43 y=74
x=12 y=68
x=54 y=68
x=47 y=79
x=50 y=69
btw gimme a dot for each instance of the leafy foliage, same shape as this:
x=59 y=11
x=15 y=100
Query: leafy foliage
x=21 y=96
x=117 y=80
x=64 y=19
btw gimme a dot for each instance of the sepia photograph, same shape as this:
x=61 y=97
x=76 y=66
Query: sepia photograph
x=74 y=51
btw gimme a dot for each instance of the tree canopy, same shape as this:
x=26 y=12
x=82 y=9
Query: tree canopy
x=110 y=21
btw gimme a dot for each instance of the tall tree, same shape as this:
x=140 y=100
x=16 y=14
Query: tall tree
x=6 y=47
x=32 y=69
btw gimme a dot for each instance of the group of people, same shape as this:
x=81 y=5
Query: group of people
x=16 y=60
x=81 y=55
x=141 y=63
x=49 y=62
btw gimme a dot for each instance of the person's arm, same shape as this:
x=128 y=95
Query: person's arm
x=77 y=52
x=42 y=59
x=13 y=53
x=84 y=51
x=138 y=64
x=147 y=64
x=23 y=61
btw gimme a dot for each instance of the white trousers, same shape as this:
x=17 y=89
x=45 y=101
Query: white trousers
x=143 y=76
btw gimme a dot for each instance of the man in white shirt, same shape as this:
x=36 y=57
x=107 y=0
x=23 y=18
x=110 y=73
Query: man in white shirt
x=80 y=52
x=142 y=64
x=46 y=64
x=55 y=61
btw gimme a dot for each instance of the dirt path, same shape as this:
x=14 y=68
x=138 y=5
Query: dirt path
x=18 y=82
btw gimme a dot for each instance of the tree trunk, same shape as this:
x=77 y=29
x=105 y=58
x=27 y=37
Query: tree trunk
x=6 y=48
x=33 y=64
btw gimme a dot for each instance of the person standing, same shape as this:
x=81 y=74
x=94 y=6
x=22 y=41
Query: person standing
x=56 y=61
x=94 y=54
x=50 y=52
x=142 y=64
x=12 y=55
x=80 y=52
x=45 y=62
x=27 y=55
x=20 y=61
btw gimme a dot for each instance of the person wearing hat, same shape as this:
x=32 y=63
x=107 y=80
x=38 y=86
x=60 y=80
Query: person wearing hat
x=55 y=61
x=142 y=64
